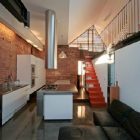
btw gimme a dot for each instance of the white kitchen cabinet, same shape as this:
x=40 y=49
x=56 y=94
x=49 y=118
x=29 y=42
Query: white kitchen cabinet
x=24 y=71
x=40 y=73
x=13 y=101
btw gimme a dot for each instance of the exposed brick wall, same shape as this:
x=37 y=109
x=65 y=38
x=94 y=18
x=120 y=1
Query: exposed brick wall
x=11 y=45
x=67 y=67
x=37 y=53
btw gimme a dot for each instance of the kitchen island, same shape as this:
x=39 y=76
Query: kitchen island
x=55 y=102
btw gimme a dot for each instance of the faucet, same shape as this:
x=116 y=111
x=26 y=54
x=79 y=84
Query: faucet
x=10 y=80
x=17 y=82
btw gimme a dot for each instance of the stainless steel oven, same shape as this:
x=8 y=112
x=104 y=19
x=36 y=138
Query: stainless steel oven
x=32 y=75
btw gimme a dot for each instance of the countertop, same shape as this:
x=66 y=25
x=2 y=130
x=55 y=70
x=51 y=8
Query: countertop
x=61 y=89
x=7 y=90
x=62 y=82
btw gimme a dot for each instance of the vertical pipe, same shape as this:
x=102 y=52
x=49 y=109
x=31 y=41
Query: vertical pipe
x=92 y=40
x=118 y=27
x=50 y=43
x=138 y=15
x=88 y=40
x=133 y=16
x=128 y=13
x=131 y=13
x=125 y=23
x=121 y=23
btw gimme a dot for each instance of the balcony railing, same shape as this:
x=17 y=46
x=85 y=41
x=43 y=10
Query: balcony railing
x=125 y=24
x=90 y=40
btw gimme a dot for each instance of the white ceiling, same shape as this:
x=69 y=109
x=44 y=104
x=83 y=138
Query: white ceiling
x=109 y=11
x=73 y=16
x=82 y=15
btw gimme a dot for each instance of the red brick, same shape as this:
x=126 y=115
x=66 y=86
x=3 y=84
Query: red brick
x=11 y=45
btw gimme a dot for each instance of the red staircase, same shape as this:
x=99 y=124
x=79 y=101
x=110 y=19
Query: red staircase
x=92 y=85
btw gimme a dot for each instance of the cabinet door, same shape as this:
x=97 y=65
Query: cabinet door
x=40 y=73
x=33 y=59
x=7 y=104
x=12 y=102
x=24 y=69
x=27 y=91
x=20 y=98
x=24 y=74
x=62 y=109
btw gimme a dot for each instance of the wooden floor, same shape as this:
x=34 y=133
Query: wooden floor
x=82 y=96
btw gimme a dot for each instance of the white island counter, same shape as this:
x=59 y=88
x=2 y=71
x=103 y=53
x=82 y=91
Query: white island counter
x=57 y=103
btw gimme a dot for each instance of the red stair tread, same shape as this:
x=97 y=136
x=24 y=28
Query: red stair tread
x=92 y=80
x=89 y=68
x=91 y=76
x=99 y=95
x=95 y=86
x=95 y=83
x=96 y=93
x=97 y=99
x=91 y=73
x=94 y=89
x=98 y=104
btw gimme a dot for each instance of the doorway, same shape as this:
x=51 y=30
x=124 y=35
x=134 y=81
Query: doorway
x=111 y=76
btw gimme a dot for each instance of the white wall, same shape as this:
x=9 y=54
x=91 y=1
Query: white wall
x=82 y=15
x=102 y=74
x=127 y=73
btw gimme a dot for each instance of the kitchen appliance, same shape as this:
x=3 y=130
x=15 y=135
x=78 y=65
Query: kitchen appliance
x=50 y=87
x=32 y=75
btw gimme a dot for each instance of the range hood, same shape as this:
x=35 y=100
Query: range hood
x=50 y=42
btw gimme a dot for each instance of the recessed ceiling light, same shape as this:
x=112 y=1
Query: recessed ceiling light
x=40 y=38
x=29 y=41
x=35 y=46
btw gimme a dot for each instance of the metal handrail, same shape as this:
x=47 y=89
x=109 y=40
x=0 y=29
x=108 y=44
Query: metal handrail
x=89 y=40
x=124 y=24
